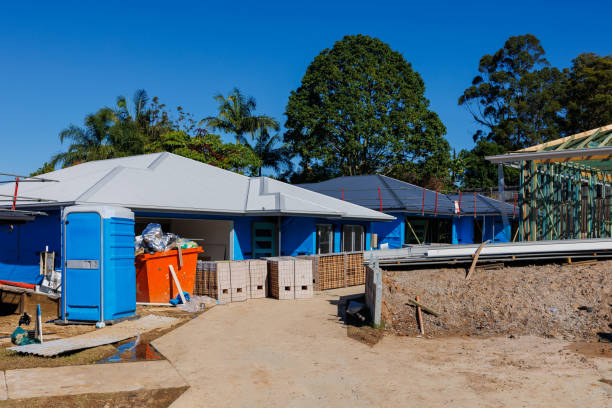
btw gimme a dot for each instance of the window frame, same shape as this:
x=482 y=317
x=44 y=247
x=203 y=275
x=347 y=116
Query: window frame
x=318 y=240
x=353 y=228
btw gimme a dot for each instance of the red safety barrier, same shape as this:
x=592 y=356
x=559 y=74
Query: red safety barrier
x=423 y=208
x=342 y=194
x=436 y=205
x=380 y=199
x=18 y=284
x=16 y=188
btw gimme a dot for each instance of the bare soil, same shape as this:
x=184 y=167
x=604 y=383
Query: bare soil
x=272 y=353
x=161 y=398
x=569 y=302
x=12 y=360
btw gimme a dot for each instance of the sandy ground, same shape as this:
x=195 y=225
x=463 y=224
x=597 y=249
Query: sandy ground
x=568 y=302
x=274 y=353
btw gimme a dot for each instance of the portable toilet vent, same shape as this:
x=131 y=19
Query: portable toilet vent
x=99 y=279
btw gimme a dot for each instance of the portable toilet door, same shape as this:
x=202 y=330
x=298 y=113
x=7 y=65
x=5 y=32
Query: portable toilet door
x=83 y=297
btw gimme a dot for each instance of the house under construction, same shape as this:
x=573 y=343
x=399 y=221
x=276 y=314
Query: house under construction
x=565 y=186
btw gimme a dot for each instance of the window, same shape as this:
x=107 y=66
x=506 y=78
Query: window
x=325 y=238
x=421 y=230
x=353 y=238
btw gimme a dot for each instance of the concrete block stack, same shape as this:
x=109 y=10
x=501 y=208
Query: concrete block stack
x=290 y=278
x=257 y=279
x=282 y=278
x=238 y=273
x=303 y=278
x=213 y=281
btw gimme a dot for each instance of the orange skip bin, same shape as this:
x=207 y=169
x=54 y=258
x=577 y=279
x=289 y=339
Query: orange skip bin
x=154 y=283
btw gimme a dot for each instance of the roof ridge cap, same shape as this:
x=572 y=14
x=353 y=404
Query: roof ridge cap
x=100 y=183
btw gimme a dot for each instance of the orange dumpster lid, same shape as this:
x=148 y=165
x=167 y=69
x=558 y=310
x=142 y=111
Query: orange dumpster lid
x=172 y=252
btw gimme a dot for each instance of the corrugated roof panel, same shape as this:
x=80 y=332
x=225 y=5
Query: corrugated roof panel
x=165 y=181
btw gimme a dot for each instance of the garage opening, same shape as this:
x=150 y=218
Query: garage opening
x=214 y=236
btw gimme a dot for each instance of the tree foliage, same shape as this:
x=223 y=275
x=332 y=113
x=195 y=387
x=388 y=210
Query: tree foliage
x=90 y=142
x=145 y=125
x=515 y=97
x=478 y=172
x=361 y=109
x=235 y=116
x=207 y=148
x=273 y=154
x=588 y=93
x=518 y=100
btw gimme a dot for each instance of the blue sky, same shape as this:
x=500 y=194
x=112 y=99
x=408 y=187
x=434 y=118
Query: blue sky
x=62 y=60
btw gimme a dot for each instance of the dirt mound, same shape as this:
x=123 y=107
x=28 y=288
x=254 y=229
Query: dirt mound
x=571 y=302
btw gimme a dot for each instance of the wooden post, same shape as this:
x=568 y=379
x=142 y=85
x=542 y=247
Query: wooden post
x=476 y=255
x=420 y=317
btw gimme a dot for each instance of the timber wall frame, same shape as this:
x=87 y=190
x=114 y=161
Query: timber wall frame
x=563 y=201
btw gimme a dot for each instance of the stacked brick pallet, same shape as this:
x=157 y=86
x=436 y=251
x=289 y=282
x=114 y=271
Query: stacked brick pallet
x=355 y=269
x=212 y=281
x=257 y=279
x=290 y=278
x=331 y=271
x=231 y=281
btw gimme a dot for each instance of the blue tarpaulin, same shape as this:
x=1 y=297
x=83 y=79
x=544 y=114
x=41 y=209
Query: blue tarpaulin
x=21 y=273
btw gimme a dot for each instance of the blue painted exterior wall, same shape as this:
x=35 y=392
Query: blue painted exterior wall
x=298 y=234
x=496 y=231
x=493 y=229
x=19 y=259
x=392 y=232
x=463 y=230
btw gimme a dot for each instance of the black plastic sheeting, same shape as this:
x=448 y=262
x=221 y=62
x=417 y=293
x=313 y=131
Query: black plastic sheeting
x=14 y=217
x=396 y=195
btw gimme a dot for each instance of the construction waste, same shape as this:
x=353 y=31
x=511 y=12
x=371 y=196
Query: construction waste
x=154 y=240
x=197 y=304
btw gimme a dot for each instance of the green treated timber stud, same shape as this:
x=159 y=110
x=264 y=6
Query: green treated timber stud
x=606 y=140
x=588 y=139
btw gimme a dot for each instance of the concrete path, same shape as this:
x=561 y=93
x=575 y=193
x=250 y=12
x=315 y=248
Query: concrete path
x=3 y=393
x=271 y=353
x=97 y=378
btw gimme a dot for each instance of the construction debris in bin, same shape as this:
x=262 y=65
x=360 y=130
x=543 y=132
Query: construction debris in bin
x=154 y=240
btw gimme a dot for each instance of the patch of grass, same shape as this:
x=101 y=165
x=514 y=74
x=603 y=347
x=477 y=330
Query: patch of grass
x=143 y=398
x=10 y=360
x=365 y=334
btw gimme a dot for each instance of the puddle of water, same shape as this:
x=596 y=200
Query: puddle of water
x=132 y=351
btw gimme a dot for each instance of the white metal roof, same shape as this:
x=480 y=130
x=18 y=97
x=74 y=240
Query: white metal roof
x=168 y=182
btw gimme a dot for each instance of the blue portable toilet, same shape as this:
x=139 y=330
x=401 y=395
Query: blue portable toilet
x=99 y=276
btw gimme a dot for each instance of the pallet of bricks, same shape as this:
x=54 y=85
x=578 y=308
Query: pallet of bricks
x=290 y=278
x=231 y=281
x=339 y=270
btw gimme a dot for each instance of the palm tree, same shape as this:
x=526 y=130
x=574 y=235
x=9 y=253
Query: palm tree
x=271 y=155
x=91 y=142
x=236 y=116
x=144 y=124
